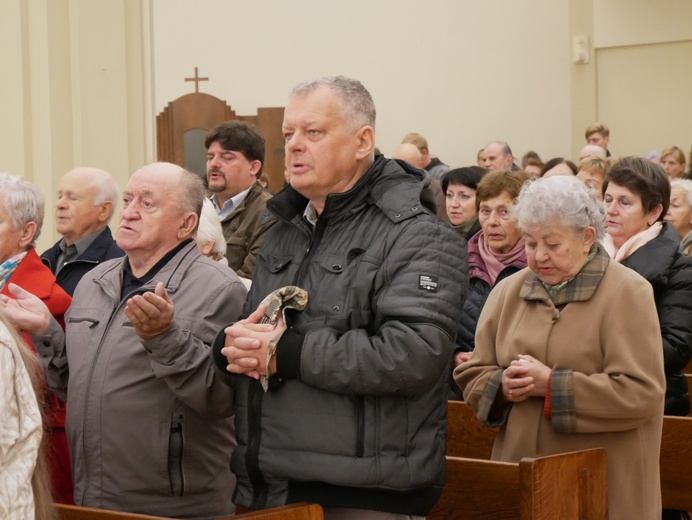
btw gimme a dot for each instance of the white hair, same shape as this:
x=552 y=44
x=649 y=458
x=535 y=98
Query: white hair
x=23 y=203
x=209 y=229
x=564 y=200
x=104 y=185
x=685 y=184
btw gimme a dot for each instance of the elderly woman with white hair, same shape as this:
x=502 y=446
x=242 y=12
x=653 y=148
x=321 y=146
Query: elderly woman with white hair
x=210 y=240
x=21 y=218
x=680 y=212
x=24 y=489
x=554 y=367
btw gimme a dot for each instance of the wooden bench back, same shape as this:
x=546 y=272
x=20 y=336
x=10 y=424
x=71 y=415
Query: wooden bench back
x=533 y=489
x=479 y=489
x=89 y=513
x=584 y=472
x=301 y=511
x=688 y=368
x=676 y=463
x=466 y=435
x=470 y=438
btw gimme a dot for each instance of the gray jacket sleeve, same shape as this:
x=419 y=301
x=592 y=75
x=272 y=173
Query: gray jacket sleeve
x=181 y=355
x=416 y=299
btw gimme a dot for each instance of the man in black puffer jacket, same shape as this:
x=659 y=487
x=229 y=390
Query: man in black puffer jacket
x=354 y=415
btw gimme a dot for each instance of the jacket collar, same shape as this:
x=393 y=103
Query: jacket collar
x=99 y=246
x=31 y=271
x=171 y=274
x=579 y=289
x=93 y=253
x=397 y=188
x=653 y=259
x=253 y=192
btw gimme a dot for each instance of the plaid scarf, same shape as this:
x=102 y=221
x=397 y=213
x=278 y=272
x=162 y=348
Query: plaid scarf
x=579 y=288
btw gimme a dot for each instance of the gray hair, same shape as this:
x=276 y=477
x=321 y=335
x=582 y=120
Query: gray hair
x=209 y=229
x=357 y=106
x=685 y=184
x=189 y=188
x=103 y=183
x=506 y=150
x=563 y=200
x=106 y=188
x=23 y=203
x=191 y=193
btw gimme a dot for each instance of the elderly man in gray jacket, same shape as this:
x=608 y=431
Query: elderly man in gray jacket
x=353 y=416
x=148 y=420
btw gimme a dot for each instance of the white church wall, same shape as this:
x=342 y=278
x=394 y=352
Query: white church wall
x=459 y=72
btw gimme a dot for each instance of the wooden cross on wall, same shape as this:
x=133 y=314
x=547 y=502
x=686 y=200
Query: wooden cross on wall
x=196 y=79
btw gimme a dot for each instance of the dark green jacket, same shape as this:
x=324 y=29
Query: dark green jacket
x=244 y=230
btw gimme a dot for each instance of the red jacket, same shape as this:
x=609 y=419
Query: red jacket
x=31 y=275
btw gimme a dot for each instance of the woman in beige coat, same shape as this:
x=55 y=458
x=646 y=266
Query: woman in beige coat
x=555 y=367
x=24 y=487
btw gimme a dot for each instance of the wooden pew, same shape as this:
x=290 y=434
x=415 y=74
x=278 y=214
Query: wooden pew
x=676 y=463
x=470 y=438
x=301 y=511
x=533 y=489
x=688 y=368
x=466 y=435
x=90 y=513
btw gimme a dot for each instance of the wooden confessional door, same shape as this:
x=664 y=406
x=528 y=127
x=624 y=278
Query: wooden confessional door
x=183 y=124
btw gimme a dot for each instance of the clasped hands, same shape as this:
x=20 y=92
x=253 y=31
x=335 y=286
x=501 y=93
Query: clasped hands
x=525 y=377
x=247 y=342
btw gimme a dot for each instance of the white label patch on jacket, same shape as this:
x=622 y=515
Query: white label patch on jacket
x=427 y=283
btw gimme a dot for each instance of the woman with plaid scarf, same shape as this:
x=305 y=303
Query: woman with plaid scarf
x=556 y=366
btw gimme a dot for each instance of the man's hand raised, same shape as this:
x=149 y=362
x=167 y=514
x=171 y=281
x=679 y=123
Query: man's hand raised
x=151 y=313
x=25 y=311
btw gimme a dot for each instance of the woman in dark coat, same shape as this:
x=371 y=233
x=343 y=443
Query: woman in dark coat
x=636 y=194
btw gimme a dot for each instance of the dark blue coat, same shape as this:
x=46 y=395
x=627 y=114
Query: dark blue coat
x=102 y=249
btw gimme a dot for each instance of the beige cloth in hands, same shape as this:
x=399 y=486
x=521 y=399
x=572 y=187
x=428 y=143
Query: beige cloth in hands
x=289 y=297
